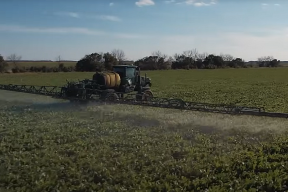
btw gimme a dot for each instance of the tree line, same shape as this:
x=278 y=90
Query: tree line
x=190 y=59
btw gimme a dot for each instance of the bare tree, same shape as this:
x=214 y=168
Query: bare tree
x=193 y=53
x=176 y=56
x=60 y=64
x=118 y=54
x=202 y=56
x=265 y=61
x=160 y=55
x=227 y=57
x=14 y=58
x=191 y=57
x=161 y=60
x=58 y=58
x=169 y=62
x=170 y=59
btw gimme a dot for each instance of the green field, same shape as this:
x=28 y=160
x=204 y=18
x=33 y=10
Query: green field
x=252 y=87
x=47 y=145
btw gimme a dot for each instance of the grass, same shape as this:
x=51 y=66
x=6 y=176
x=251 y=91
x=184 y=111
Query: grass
x=49 y=145
x=255 y=87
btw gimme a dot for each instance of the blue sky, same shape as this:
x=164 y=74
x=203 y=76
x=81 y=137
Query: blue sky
x=43 y=29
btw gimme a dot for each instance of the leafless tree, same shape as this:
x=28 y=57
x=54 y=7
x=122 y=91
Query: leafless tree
x=159 y=55
x=60 y=64
x=227 y=57
x=169 y=62
x=58 y=58
x=202 y=56
x=118 y=54
x=193 y=53
x=161 y=60
x=170 y=59
x=266 y=59
x=176 y=56
x=14 y=58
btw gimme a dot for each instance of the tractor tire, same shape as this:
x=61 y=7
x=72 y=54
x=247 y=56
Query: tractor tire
x=139 y=97
x=63 y=93
x=147 y=95
x=111 y=97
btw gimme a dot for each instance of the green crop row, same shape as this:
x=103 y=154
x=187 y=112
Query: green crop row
x=49 y=147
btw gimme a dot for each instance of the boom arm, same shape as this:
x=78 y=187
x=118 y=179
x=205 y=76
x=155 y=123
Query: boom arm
x=56 y=92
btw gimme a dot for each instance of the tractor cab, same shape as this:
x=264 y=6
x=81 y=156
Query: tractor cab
x=128 y=74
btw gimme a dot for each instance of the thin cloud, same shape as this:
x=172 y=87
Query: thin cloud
x=111 y=4
x=108 y=17
x=199 y=3
x=78 y=15
x=56 y=30
x=66 y=30
x=141 y=3
x=130 y=36
x=68 y=14
x=266 y=5
x=170 y=1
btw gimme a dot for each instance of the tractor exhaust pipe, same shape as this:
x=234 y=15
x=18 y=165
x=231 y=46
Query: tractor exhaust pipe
x=139 y=87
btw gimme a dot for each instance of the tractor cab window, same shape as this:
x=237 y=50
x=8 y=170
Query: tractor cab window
x=130 y=72
x=120 y=71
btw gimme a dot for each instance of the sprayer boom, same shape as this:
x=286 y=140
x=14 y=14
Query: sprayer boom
x=143 y=99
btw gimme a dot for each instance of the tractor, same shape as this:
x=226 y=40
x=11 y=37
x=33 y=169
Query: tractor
x=111 y=85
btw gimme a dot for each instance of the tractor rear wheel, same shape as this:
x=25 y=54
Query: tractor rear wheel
x=147 y=95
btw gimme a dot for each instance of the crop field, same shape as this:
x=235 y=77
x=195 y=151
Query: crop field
x=251 y=87
x=52 y=145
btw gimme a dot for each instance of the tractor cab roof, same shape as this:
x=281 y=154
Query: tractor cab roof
x=125 y=66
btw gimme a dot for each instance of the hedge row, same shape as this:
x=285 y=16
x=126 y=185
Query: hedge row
x=43 y=69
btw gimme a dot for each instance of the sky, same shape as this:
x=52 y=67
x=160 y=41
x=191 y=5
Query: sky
x=44 y=29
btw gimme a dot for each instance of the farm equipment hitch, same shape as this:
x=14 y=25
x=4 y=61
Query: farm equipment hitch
x=130 y=99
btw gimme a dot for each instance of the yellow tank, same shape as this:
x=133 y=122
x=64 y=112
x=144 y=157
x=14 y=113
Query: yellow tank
x=108 y=78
